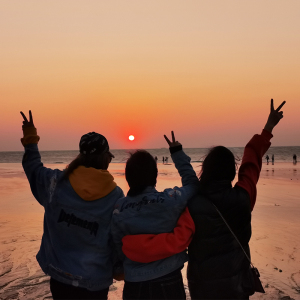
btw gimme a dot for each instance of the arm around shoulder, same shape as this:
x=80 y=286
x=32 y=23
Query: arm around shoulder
x=146 y=248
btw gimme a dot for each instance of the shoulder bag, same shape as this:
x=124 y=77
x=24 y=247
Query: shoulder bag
x=253 y=272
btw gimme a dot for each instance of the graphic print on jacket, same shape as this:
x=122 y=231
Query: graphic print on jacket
x=154 y=199
x=137 y=205
x=72 y=219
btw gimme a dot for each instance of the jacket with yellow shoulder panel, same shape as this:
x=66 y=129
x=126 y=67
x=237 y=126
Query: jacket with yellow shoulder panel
x=76 y=247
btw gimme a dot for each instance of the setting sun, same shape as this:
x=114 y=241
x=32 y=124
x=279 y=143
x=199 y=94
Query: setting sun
x=131 y=137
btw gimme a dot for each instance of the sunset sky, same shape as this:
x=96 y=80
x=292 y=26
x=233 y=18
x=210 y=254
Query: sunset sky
x=205 y=69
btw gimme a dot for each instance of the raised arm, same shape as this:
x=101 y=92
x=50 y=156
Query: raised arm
x=254 y=151
x=179 y=196
x=182 y=162
x=42 y=180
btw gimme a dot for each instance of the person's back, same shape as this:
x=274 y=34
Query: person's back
x=215 y=258
x=145 y=210
x=76 y=248
x=218 y=267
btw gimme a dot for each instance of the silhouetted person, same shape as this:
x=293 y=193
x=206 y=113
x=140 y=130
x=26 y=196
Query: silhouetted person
x=166 y=159
x=294 y=159
x=272 y=159
x=155 y=158
x=163 y=159
x=267 y=158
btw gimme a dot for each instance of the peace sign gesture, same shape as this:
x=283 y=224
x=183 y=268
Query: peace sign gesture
x=174 y=143
x=274 y=117
x=27 y=123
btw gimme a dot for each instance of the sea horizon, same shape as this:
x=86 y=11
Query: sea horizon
x=281 y=154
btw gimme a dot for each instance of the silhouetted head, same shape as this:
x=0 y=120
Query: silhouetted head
x=219 y=164
x=94 y=153
x=140 y=172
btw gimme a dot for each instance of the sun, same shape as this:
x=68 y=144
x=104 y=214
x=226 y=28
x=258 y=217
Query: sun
x=131 y=137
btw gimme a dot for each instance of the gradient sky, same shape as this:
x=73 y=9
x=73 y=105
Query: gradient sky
x=205 y=69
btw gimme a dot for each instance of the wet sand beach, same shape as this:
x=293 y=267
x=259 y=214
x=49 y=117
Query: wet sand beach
x=275 y=243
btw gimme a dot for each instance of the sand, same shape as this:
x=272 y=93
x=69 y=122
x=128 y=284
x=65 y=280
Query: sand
x=275 y=243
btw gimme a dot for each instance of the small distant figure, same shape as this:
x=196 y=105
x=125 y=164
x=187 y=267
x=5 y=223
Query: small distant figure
x=166 y=159
x=272 y=159
x=267 y=158
x=156 y=158
x=163 y=160
x=294 y=159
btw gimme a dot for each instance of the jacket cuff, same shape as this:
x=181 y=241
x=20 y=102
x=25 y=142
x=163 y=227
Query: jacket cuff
x=175 y=149
x=29 y=136
x=266 y=134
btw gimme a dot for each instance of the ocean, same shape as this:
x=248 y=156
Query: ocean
x=281 y=154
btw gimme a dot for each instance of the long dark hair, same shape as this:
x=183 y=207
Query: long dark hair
x=219 y=164
x=140 y=172
x=97 y=161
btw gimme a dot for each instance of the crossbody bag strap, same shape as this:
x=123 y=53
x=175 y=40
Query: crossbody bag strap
x=233 y=233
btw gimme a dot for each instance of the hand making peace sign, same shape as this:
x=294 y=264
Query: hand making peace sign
x=27 y=123
x=174 y=143
x=274 y=117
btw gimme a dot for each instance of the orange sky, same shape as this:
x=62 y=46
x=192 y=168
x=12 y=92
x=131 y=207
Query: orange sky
x=205 y=69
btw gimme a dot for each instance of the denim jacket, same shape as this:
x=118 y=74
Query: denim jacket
x=76 y=246
x=154 y=212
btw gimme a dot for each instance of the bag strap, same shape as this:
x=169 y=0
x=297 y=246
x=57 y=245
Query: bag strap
x=233 y=234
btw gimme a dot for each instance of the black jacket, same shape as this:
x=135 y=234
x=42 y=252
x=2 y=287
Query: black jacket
x=216 y=260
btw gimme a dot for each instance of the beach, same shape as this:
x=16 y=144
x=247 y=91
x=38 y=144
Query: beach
x=275 y=242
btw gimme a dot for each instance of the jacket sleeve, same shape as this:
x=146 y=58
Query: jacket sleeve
x=251 y=163
x=118 y=270
x=117 y=235
x=145 y=248
x=41 y=179
x=189 y=179
x=183 y=165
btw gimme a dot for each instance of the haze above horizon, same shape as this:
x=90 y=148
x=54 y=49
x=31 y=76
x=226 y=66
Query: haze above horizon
x=205 y=69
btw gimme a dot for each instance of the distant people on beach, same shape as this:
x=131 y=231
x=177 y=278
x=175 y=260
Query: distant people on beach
x=294 y=159
x=145 y=210
x=165 y=159
x=267 y=158
x=76 y=250
x=219 y=254
x=273 y=159
x=156 y=158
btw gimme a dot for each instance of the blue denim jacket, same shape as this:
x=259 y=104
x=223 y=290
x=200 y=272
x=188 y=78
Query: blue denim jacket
x=76 y=247
x=154 y=212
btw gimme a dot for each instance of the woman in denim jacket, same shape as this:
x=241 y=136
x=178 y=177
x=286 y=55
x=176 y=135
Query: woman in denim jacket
x=145 y=210
x=76 y=249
